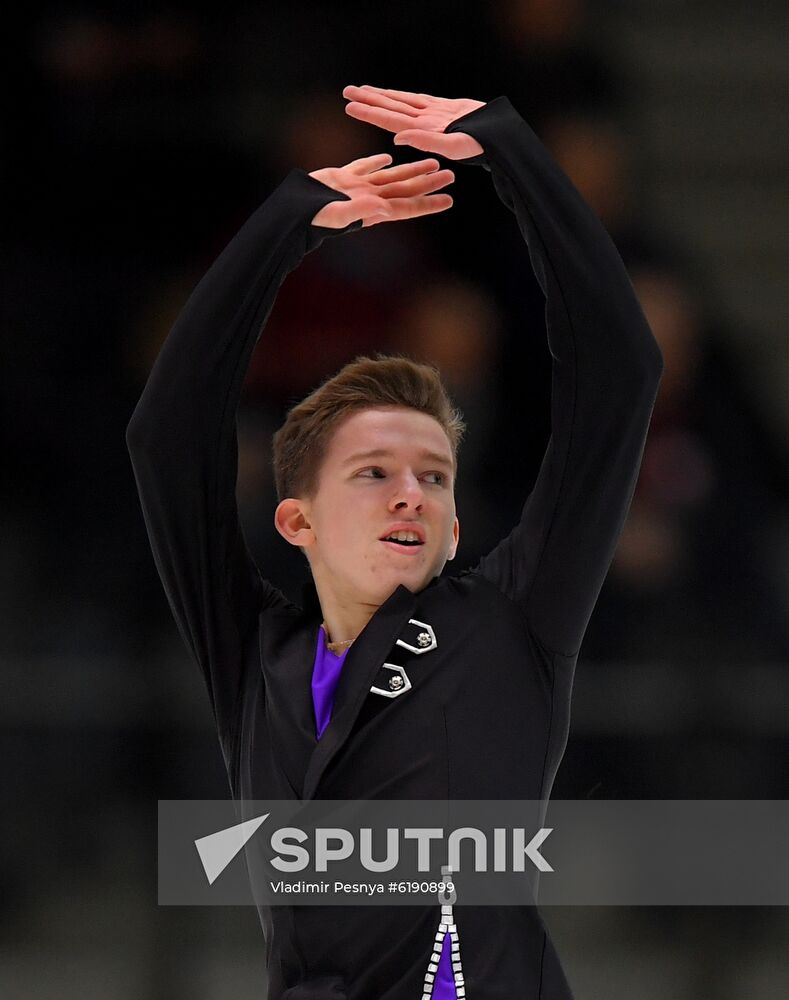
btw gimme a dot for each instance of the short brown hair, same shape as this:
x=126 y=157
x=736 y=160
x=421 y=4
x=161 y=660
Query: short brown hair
x=300 y=444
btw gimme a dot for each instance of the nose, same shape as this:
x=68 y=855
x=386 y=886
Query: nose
x=409 y=493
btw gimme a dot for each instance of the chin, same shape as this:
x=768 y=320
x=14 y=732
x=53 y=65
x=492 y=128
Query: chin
x=416 y=580
x=384 y=583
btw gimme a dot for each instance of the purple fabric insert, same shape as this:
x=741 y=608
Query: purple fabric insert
x=325 y=674
x=444 y=986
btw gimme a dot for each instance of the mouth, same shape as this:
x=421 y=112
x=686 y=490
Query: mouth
x=404 y=536
x=404 y=548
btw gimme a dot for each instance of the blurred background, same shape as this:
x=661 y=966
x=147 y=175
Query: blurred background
x=136 y=139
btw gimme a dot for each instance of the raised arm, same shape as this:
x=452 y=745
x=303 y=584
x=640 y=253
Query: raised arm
x=182 y=434
x=606 y=365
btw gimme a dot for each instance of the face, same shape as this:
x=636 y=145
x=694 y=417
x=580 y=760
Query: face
x=383 y=467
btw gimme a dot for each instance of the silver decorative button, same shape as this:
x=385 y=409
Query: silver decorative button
x=396 y=685
x=425 y=640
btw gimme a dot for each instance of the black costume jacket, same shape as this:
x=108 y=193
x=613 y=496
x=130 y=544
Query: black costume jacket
x=487 y=711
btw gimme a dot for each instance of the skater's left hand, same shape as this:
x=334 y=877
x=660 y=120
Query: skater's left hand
x=418 y=120
x=378 y=192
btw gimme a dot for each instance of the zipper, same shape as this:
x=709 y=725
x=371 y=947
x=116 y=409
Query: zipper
x=447 y=926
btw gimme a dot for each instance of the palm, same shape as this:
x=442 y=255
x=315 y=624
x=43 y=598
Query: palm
x=382 y=193
x=418 y=119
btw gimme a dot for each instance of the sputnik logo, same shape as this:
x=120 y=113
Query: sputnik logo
x=217 y=850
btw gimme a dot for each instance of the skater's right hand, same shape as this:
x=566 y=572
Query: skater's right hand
x=382 y=193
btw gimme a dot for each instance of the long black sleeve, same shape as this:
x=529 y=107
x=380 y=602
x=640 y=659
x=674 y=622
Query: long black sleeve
x=606 y=368
x=183 y=442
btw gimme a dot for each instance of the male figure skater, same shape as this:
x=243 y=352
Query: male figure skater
x=322 y=700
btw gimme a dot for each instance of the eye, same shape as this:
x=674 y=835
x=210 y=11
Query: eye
x=376 y=472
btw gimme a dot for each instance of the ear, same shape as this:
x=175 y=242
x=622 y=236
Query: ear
x=455 y=539
x=291 y=519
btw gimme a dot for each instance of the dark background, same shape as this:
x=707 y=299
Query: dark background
x=135 y=142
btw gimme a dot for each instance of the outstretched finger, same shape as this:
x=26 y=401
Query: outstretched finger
x=366 y=164
x=404 y=171
x=419 y=185
x=395 y=121
x=433 y=203
x=415 y=100
x=406 y=208
x=364 y=95
x=411 y=208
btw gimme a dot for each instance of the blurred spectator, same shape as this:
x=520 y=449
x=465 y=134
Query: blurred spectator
x=127 y=99
x=547 y=60
x=693 y=574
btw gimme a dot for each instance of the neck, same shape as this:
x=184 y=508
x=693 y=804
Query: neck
x=342 y=629
x=337 y=645
x=344 y=618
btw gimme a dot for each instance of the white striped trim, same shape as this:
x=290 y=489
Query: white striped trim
x=446 y=926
